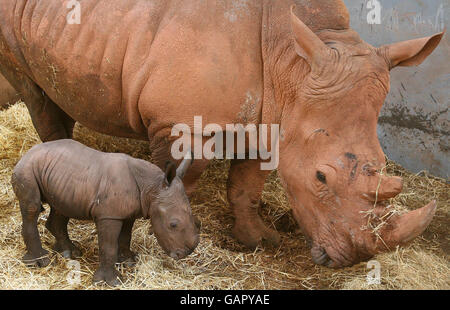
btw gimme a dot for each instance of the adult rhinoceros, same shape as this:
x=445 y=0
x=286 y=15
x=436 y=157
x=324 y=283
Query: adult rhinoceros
x=135 y=68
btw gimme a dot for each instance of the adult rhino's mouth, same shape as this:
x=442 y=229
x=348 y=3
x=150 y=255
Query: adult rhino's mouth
x=334 y=257
x=320 y=256
x=398 y=230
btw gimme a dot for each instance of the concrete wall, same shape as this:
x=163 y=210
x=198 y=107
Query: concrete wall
x=414 y=123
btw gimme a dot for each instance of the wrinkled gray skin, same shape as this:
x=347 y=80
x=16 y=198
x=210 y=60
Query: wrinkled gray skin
x=111 y=189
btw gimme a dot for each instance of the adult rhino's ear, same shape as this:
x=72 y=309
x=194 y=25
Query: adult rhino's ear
x=170 y=171
x=185 y=164
x=307 y=44
x=412 y=52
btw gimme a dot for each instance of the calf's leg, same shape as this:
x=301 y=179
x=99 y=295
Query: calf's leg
x=244 y=188
x=108 y=243
x=126 y=256
x=57 y=225
x=36 y=255
x=27 y=191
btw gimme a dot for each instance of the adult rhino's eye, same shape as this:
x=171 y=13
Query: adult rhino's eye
x=321 y=177
x=173 y=224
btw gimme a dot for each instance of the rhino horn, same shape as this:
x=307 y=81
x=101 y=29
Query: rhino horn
x=407 y=226
x=389 y=187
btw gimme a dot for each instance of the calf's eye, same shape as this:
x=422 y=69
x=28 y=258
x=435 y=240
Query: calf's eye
x=173 y=224
x=321 y=177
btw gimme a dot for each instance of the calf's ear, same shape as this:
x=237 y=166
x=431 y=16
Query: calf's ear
x=170 y=172
x=185 y=164
x=412 y=52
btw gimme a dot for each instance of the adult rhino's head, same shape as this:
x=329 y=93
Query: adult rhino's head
x=331 y=161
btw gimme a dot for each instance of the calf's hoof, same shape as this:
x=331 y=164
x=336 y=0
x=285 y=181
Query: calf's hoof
x=127 y=258
x=40 y=260
x=110 y=275
x=68 y=251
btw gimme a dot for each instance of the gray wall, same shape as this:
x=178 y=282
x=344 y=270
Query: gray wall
x=414 y=123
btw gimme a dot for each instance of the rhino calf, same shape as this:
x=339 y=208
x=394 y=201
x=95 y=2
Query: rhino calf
x=111 y=189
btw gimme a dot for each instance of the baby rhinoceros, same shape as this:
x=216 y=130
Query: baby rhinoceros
x=111 y=189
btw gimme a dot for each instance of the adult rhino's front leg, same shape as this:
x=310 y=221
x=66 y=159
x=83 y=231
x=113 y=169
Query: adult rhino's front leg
x=245 y=185
x=50 y=122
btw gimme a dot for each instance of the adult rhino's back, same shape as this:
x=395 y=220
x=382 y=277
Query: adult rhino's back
x=129 y=64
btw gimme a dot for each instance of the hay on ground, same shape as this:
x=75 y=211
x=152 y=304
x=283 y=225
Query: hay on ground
x=219 y=262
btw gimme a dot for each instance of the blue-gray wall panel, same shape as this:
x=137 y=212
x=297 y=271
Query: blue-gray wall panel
x=414 y=123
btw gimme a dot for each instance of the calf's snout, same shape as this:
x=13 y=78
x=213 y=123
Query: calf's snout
x=188 y=248
x=181 y=253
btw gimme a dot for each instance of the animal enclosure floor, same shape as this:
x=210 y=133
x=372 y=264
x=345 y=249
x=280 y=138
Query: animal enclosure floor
x=219 y=262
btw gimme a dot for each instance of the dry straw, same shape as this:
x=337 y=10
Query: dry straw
x=219 y=262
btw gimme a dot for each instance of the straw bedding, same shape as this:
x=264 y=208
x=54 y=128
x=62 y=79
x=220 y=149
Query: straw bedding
x=219 y=262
